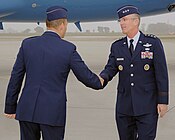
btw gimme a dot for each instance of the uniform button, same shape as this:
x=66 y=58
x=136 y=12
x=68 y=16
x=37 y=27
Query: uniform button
x=132 y=84
x=132 y=65
x=132 y=74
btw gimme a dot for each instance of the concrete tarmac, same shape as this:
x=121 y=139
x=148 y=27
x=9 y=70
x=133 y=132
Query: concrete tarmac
x=90 y=113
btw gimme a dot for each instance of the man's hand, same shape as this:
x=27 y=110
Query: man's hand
x=162 y=109
x=10 y=116
x=101 y=80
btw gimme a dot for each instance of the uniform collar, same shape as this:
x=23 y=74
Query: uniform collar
x=135 y=38
x=51 y=32
x=138 y=49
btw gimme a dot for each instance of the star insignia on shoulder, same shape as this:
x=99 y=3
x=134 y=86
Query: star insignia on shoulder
x=150 y=35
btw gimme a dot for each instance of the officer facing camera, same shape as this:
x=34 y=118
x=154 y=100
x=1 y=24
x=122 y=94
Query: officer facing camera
x=142 y=92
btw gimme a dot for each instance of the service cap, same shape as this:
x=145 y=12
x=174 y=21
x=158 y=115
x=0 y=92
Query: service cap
x=56 y=12
x=127 y=10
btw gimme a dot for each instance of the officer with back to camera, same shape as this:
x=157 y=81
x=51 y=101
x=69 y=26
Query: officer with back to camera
x=142 y=92
x=46 y=61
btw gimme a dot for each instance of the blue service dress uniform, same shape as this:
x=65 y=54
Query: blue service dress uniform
x=143 y=77
x=45 y=61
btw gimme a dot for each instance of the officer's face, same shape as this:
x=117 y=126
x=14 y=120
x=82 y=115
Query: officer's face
x=129 y=24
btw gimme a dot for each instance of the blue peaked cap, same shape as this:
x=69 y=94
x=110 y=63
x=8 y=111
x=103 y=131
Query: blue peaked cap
x=127 y=10
x=56 y=12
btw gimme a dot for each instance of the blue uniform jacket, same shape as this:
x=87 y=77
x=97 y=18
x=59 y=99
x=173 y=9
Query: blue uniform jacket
x=143 y=78
x=46 y=61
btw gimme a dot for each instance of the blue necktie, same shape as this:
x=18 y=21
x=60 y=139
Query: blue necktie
x=131 y=47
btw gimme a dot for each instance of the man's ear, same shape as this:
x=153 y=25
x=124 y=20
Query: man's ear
x=61 y=26
x=136 y=21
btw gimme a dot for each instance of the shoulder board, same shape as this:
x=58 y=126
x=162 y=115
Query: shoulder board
x=119 y=39
x=150 y=35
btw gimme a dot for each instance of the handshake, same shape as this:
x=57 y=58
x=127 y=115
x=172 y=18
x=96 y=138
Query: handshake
x=101 y=80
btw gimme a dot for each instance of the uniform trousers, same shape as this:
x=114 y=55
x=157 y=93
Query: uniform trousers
x=33 y=131
x=141 y=127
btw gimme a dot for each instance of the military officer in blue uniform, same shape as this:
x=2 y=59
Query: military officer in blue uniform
x=142 y=92
x=46 y=61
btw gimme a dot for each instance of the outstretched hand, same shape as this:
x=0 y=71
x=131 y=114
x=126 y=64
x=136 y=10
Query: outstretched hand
x=101 y=80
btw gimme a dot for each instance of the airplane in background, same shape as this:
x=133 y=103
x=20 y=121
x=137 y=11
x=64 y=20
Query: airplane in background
x=79 y=10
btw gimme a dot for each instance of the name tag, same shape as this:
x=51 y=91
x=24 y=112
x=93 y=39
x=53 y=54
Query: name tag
x=146 y=54
x=120 y=59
